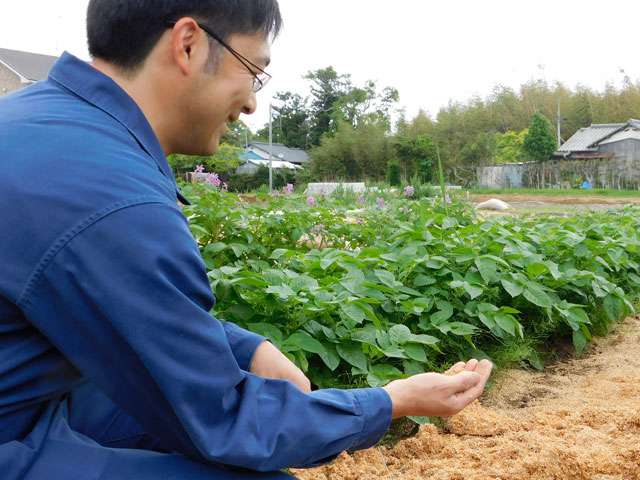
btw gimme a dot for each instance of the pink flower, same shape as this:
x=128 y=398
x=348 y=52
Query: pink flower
x=409 y=191
x=311 y=201
x=199 y=169
x=288 y=190
x=213 y=179
x=381 y=203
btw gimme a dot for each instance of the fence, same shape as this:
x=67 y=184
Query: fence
x=600 y=173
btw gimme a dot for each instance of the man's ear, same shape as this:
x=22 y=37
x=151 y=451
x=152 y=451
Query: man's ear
x=187 y=45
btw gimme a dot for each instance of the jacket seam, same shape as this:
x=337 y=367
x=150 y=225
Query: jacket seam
x=62 y=241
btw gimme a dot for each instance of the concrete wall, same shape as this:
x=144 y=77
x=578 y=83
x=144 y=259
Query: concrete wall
x=628 y=150
x=9 y=81
x=618 y=173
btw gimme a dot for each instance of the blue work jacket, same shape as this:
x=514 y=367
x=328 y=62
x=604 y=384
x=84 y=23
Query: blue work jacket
x=111 y=365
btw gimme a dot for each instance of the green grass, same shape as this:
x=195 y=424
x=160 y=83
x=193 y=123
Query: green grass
x=558 y=192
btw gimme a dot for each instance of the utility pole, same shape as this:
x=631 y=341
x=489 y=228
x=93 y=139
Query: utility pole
x=270 y=148
x=559 y=122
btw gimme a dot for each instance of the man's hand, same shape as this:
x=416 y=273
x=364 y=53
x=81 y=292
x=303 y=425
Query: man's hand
x=436 y=395
x=269 y=362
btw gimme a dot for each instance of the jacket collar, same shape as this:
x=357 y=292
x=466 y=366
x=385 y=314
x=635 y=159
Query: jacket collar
x=101 y=91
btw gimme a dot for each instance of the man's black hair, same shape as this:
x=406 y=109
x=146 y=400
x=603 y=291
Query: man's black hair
x=124 y=32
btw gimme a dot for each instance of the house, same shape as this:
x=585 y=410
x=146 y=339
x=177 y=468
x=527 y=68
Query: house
x=251 y=166
x=620 y=141
x=602 y=155
x=19 y=69
x=256 y=154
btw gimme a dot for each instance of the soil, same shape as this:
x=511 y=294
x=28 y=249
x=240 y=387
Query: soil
x=559 y=199
x=578 y=420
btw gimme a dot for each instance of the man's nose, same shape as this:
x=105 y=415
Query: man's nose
x=250 y=105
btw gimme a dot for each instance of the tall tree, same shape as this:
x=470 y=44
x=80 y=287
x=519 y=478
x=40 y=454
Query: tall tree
x=540 y=142
x=290 y=121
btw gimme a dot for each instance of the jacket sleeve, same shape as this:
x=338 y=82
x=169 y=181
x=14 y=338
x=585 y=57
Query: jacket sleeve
x=126 y=300
x=243 y=344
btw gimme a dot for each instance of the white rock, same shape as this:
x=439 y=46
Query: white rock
x=493 y=204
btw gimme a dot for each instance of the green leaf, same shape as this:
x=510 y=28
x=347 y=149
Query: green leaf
x=279 y=253
x=241 y=312
x=536 y=295
x=536 y=269
x=381 y=374
x=415 y=352
x=330 y=357
x=365 y=335
x=579 y=341
x=354 y=312
x=303 y=341
x=267 y=330
x=506 y=323
x=215 y=248
x=399 y=334
x=613 y=307
x=424 y=281
x=488 y=268
x=473 y=291
x=458 y=328
x=239 y=249
x=424 y=339
x=387 y=278
x=512 y=289
x=352 y=353
x=421 y=420
x=444 y=313
x=411 y=367
x=283 y=292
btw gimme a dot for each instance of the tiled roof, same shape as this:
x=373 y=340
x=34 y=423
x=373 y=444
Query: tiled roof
x=31 y=66
x=282 y=152
x=626 y=134
x=584 y=140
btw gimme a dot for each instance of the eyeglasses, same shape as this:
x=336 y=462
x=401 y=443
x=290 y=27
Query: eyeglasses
x=260 y=79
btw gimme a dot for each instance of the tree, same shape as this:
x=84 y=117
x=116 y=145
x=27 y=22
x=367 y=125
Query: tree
x=540 y=142
x=238 y=135
x=393 y=173
x=509 y=146
x=225 y=160
x=353 y=153
x=416 y=154
x=290 y=121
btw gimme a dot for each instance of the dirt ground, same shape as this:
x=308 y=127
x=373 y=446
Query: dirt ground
x=578 y=420
x=559 y=199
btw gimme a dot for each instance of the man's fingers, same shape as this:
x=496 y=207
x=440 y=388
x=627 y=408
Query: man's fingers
x=457 y=368
x=483 y=371
x=464 y=381
x=471 y=365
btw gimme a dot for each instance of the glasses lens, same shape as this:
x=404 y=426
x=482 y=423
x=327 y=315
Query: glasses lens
x=260 y=81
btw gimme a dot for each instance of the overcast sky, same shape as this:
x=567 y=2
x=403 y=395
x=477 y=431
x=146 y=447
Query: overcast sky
x=431 y=51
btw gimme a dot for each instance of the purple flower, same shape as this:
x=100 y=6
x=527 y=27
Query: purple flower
x=409 y=191
x=199 y=169
x=288 y=190
x=213 y=179
x=381 y=203
x=361 y=200
x=311 y=201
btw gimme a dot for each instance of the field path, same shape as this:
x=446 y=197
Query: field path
x=578 y=420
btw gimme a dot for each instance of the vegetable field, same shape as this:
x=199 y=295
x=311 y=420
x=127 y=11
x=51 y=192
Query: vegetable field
x=363 y=290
